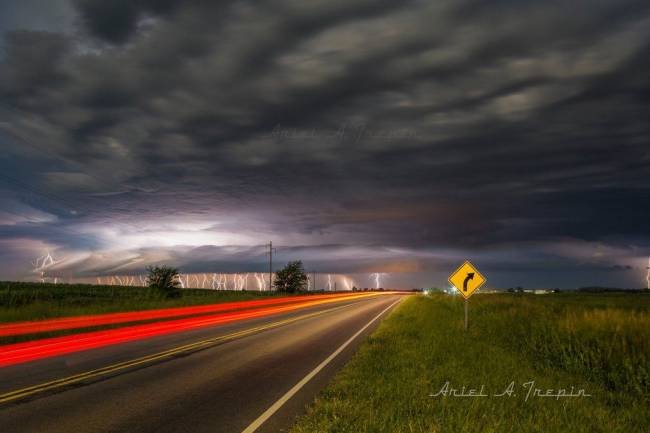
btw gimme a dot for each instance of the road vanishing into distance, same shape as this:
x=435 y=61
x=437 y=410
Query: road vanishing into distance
x=253 y=374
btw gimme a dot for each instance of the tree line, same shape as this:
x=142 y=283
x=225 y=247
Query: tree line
x=290 y=279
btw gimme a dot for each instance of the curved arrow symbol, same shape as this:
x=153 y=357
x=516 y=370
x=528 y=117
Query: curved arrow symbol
x=470 y=276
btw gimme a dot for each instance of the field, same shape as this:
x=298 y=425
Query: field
x=597 y=343
x=33 y=301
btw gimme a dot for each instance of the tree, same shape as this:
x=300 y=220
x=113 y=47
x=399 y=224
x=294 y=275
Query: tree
x=291 y=278
x=165 y=279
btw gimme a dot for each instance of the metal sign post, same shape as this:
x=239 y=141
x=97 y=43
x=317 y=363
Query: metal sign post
x=466 y=279
x=466 y=315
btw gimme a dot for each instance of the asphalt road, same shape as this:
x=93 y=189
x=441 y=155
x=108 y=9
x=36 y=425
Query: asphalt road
x=261 y=372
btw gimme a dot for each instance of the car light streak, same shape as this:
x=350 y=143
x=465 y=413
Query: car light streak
x=33 y=350
x=33 y=327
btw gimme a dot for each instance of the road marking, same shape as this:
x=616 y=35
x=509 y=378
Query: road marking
x=58 y=383
x=282 y=400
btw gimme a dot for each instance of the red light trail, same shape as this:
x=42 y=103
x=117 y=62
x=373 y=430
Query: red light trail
x=32 y=350
x=58 y=324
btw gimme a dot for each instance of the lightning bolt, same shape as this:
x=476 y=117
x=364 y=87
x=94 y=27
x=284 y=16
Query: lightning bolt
x=213 y=281
x=219 y=282
x=647 y=276
x=240 y=281
x=222 y=282
x=188 y=281
x=259 y=280
x=377 y=278
x=43 y=263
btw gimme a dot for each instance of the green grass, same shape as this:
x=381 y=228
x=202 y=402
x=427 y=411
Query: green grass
x=34 y=301
x=600 y=343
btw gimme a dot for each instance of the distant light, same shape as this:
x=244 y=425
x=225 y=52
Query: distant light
x=451 y=290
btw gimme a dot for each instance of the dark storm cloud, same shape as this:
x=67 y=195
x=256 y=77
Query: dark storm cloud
x=117 y=21
x=468 y=125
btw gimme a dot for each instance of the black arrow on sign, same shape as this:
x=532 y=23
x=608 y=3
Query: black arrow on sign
x=470 y=276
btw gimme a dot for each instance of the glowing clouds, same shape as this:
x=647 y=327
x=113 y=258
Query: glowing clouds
x=171 y=237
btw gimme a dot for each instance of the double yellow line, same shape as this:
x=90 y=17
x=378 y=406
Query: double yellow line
x=48 y=386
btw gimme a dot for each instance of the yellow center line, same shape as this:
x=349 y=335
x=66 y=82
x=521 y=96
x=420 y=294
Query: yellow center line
x=58 y=383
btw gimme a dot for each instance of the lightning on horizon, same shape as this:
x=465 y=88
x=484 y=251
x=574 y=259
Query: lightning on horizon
x=213 y=281
x=259 y=280
x=377 y=277
x=42 y=264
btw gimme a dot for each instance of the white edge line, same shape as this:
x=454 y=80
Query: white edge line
x=282 y=400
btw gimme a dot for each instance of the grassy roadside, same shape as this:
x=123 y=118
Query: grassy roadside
x=34 y=301
x=599 y=343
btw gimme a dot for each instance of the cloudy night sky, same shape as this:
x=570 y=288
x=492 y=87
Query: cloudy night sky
x=360 y=136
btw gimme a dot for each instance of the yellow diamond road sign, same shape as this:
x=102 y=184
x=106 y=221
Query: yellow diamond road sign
x=467 y=279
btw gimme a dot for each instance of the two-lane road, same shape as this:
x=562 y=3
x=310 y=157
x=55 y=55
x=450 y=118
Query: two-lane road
x=254 y=375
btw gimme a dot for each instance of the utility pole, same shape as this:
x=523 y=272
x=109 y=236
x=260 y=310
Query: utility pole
x=271 y=249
